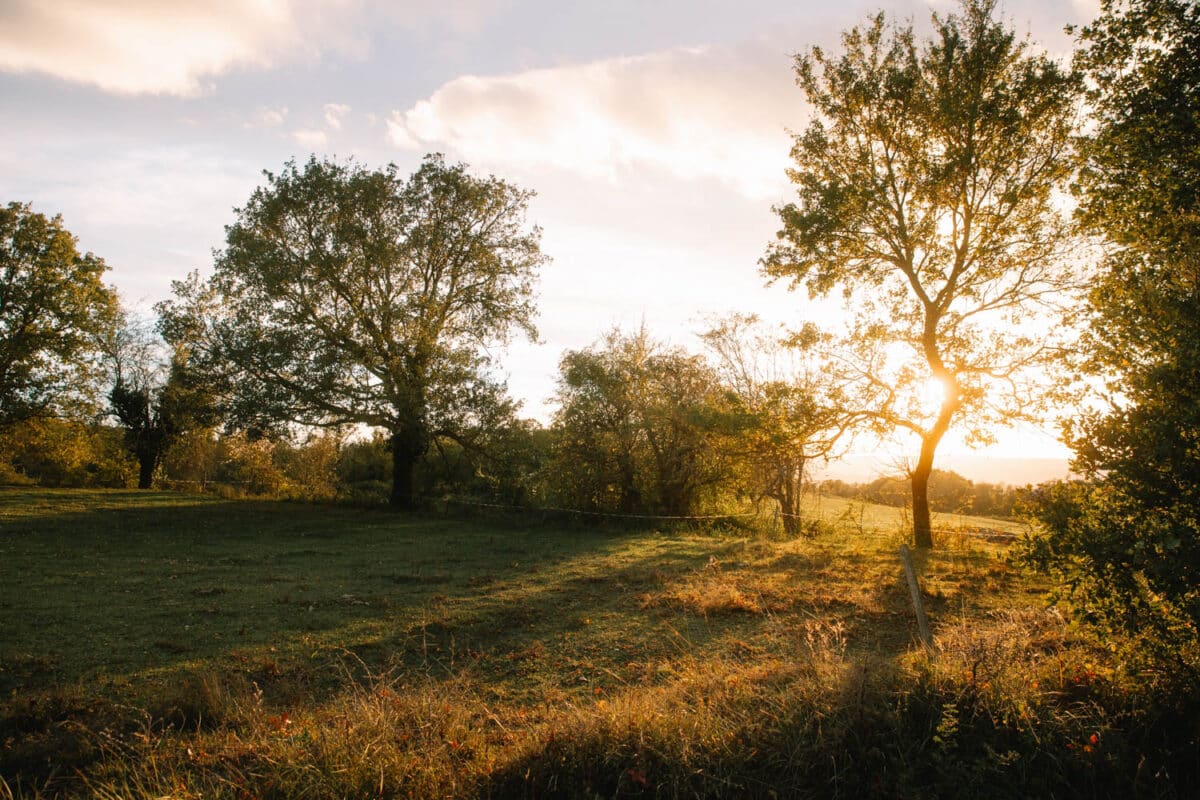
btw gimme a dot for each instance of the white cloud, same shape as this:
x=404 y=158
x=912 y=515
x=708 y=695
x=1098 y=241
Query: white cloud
x=334 y=112
x=310 y=138
x=178 y=46
x=150 y=46
x=691 y=113
x=268 y=117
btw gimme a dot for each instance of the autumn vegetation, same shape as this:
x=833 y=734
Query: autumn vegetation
x=291 y=537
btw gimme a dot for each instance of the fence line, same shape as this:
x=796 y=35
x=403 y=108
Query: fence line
x=613 y=515
x=990 y=534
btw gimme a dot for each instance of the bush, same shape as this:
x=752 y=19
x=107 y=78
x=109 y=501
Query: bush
x=54 y=452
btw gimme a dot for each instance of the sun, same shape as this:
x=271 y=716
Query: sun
x=933 y=394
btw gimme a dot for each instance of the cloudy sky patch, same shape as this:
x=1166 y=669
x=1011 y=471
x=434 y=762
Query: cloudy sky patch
x=655 y=134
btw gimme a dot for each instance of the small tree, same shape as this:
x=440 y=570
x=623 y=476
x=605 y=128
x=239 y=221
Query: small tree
x=787 y=409
x=636 y=426
x=926 y=188
x=54 y=312
x=155 y=403
x=351 y=296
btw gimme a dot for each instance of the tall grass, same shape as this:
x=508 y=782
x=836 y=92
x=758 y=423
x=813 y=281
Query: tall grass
x=638 y=664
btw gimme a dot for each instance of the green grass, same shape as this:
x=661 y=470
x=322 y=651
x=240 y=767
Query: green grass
x=128 y=587
x=161 y=644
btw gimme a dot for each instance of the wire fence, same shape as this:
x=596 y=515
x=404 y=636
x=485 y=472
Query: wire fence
x=598 y=515
x=772 y=518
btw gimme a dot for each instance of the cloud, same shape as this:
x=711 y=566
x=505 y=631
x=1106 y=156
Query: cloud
x=334 y=113
x=153 y=213
x=267 y=117
x=310 y=138
x=178 y=46
x=150 y=46
x=691 y=113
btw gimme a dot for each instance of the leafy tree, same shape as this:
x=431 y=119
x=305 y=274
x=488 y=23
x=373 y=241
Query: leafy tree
x=926 y=189
x=1129 y=540
x=155 y=403
x=503 y=465
x=787 y=409
x=635 y=430
x=54 y=309
x=352 y=296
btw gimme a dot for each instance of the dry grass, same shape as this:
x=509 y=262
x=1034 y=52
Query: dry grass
x=499 y=662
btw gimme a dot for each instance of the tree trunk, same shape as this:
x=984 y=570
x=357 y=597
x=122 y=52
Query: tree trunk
x=922 y=528
x=407 y=449
x=147 y=462
x=631 y=498
x=789 y=508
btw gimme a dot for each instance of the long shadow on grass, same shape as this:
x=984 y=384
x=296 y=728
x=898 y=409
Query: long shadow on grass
x=117 y=585
x=593 y=624
x=124 y=585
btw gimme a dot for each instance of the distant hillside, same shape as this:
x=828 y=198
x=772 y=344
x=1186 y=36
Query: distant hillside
x=989 y=469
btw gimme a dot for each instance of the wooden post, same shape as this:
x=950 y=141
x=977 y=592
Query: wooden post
x=915 y=589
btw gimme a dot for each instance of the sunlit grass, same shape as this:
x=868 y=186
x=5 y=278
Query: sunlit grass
x=163 y=645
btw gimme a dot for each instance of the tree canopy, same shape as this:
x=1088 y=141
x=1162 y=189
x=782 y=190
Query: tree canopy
x=636 y=428
x=1129 y=539
x=353 y=296
x=54 y=311
x=927 y=191
x=786 y=409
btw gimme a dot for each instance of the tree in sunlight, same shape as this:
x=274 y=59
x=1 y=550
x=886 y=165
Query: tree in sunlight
x=786 y=409
x=636 y=430
x=927 y=184
x=353 y=296
x=54 y=312
x=1128 y=539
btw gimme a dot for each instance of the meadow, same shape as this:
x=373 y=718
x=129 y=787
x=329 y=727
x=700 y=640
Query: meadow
x=158 y=644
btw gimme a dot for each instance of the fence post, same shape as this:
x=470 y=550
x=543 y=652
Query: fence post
x=915 y=589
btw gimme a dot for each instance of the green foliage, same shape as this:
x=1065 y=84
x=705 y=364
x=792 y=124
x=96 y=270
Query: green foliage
x=636 y=429
x=54 y=310
x=351 y=296
x=926 y=190
x=786 y=410
x=55 y=452
x=1128 y=541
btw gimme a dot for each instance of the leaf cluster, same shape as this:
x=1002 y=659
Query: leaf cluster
x=54 y=312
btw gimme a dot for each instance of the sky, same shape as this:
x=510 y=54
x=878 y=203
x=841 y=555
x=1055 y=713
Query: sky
x=655 y=133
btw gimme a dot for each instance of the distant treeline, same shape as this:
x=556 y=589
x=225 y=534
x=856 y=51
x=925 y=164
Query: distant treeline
x=949 y=493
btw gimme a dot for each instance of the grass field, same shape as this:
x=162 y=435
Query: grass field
x=164 y=645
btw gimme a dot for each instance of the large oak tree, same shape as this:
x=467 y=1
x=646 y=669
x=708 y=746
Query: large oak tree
x=354 y=296
x=926 y=187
